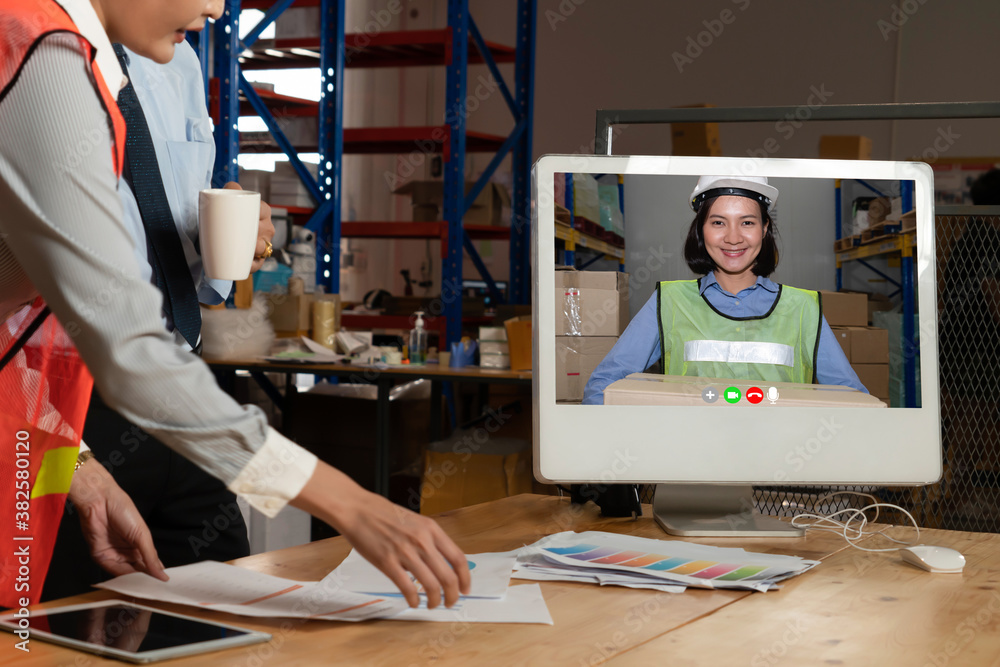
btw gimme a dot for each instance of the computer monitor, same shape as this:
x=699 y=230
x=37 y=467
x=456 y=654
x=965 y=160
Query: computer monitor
x=710 y=452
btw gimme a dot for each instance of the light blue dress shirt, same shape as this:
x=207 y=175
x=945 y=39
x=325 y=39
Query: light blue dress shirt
x=173 y=100
x=639 y=347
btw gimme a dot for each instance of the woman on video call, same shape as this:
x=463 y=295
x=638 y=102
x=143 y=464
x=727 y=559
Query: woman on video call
x=733 y=322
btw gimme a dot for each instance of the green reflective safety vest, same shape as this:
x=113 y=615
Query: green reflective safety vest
x=779 y=346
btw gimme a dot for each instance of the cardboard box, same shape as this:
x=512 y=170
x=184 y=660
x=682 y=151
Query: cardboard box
x=428 y=196
x=875 y=378
x=519 y=341
x=466 y=474
x=864 y=345
x=576 y=359
x=869 y=345
x=492 y=334
x=591 y=303
x=843 y=336
x=290 y=313
x=651 y=389
x=493 y=347
x=494 y=360
x=845 y=309
x=695 y=138
x=845 y=147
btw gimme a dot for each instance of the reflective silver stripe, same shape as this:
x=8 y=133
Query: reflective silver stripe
x=739 y=352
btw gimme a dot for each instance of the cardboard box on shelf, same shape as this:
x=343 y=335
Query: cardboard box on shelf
x=591 y=303
x=869 y=345
x=845 y=309
x=493 y=360
x=519 y=340
x=875 y=378
x=576 y=359
x=427 y=197
x=845 y=147
x=492 y=334
x=864 y=345
x=695 y=138
x=292 y=314
x=652 y=389
x=493 y=347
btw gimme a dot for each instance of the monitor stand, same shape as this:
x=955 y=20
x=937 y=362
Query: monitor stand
x=714 y=510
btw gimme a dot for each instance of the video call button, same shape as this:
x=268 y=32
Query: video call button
x=732 y=395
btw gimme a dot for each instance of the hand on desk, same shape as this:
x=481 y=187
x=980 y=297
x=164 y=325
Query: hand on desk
x=392 y=538
x=119 y=539
x=265 y=231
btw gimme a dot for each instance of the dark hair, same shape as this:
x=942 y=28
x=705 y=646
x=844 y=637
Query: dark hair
x=985 y=190
x=701 y=263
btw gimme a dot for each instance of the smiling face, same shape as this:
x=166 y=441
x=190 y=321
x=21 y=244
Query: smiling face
x=152 y=28
x=733 y=233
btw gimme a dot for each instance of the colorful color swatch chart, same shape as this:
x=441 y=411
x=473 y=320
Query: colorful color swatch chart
x=607 y=558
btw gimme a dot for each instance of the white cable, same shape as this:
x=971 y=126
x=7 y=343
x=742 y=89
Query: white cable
x=853 y=533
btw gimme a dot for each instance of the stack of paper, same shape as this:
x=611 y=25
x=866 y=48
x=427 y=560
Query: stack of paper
x=665 y=565
x=490 y=600
x=355 y=591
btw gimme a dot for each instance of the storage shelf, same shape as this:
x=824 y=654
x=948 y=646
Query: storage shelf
x=280 y=105
x=368 y=322
x=582 y=240
x=385 y=140
x=407 y=48
x=896 y=244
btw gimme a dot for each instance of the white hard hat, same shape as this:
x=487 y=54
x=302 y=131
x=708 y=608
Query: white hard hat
x=754 y=187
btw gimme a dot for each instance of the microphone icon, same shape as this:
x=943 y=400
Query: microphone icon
x=772 y=394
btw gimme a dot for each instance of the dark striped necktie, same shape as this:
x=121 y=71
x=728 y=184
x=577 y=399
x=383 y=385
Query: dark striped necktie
x=164 y=249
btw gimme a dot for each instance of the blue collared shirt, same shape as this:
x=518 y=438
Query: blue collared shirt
x=639 y=347
x=173 y=100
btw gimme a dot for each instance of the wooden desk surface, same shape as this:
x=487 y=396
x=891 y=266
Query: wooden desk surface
x=369 y=372
x=855 y=608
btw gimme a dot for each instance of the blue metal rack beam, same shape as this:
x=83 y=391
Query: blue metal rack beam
x=454 y=171
x=524 y=93
x=226 y=51
x=325 y=221
x=331 y=142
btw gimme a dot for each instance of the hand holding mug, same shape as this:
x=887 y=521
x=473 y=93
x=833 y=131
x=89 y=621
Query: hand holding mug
x=265 y=231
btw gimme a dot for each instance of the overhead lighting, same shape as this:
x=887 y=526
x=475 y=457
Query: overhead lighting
x=305 y=52
x=273 y=52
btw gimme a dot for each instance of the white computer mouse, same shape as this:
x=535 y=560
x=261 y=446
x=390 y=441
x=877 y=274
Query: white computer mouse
x=933 y=559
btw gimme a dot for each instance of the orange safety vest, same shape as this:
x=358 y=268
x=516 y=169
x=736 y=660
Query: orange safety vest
x=44 y=385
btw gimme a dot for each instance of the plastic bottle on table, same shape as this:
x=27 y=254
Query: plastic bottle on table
x=418 y=340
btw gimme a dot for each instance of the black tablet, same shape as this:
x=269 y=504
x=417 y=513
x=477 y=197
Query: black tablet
x=126 y=631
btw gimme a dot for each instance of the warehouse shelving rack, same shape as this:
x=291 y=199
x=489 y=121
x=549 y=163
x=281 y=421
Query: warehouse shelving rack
x=608 y=118
x=454 y=47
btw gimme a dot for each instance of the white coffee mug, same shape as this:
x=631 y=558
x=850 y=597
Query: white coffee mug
x=227 y=227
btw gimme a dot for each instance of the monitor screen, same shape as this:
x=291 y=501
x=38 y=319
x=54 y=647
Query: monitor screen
x=669 y=333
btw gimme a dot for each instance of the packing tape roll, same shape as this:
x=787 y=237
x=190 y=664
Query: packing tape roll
x=324 y=314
